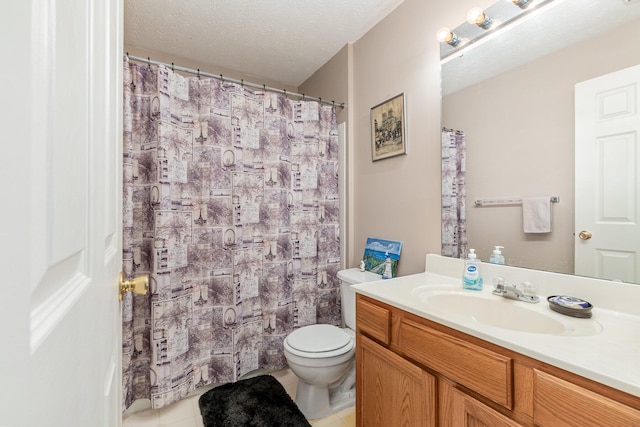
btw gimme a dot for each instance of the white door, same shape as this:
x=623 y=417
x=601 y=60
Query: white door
x=60 y=99
x=607 y=217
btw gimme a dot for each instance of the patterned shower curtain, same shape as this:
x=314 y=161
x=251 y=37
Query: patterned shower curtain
x=454 y=222
x=231 y=205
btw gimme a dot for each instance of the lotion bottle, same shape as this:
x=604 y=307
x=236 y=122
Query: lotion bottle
x=471 y=278
x=496 y=256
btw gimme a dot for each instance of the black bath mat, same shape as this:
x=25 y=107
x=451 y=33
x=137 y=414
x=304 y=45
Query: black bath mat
x=255 y=402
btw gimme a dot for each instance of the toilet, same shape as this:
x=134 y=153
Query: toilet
x=323 y=356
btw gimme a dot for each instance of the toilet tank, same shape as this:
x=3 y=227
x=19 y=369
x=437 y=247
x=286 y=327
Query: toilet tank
x=352 y=276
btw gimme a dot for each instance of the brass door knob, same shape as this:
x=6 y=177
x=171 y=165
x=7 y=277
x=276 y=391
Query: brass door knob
x=138 y=285
x=585 y=235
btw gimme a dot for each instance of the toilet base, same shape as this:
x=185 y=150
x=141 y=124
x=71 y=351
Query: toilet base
x=313 y=400
x=321 y=401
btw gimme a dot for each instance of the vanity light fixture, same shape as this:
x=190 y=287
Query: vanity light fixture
x=477 y=16
x=445 y=35
x=497 y=18
x=522 y=4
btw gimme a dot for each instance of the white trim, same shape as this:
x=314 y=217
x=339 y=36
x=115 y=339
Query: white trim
x=342 y=183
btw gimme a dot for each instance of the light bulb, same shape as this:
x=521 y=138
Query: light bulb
x=445 y=35
x=477 y=16
x=522 y=4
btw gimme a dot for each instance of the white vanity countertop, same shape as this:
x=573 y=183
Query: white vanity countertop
x=610 y=356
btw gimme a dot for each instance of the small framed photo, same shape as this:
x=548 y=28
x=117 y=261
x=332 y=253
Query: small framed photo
x=388 y=129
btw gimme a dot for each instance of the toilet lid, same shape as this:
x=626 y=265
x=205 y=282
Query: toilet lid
x=318 y=338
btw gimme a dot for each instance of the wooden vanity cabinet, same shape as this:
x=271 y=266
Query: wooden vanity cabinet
x=414 y=372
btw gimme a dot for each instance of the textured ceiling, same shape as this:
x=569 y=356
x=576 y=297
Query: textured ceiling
x=283 y=41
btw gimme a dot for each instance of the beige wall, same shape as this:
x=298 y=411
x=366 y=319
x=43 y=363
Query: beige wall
x=399 y=198
x=331 y=82
x=520 y=142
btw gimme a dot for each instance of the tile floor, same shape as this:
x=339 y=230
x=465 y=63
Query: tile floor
x=186 y=413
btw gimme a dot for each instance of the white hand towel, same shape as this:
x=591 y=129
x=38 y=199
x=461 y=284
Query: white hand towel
x=536 y=215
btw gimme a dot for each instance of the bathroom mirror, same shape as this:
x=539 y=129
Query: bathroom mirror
x=513 y=96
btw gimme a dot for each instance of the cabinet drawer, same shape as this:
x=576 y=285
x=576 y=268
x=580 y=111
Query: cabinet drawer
x=373 y=320
x=560 y=403
x=483 y=371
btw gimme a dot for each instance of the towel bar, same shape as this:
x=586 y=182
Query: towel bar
x=508 y=201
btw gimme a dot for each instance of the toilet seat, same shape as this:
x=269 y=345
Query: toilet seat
x=319 y=341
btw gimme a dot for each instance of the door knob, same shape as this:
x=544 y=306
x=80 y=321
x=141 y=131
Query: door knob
x=138 y=285
x=585 y=235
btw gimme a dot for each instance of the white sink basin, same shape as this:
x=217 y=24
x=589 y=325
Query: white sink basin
x=490 y=310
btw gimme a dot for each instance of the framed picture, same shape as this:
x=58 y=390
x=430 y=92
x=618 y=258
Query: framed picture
x=388 y=129
x=376 y=252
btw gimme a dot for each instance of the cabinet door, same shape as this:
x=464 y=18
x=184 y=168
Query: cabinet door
x=458 y=409
x=558 y=403
x=390 y=390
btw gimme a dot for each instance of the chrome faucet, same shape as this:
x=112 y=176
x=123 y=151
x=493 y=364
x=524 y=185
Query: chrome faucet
x=512 y=292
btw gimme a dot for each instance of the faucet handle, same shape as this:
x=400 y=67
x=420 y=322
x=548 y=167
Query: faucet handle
x=499 y=286
x=529 y=289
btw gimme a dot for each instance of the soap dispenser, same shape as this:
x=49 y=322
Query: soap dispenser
x=496 y=256
x=471 y=278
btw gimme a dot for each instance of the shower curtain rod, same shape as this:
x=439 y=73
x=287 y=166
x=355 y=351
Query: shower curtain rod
x=228 y=79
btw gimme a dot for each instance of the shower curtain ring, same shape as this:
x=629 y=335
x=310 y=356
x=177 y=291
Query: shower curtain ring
x=149 y=62
x=173 y=67
x=198 y=73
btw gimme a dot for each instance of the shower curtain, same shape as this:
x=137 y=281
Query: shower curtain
x=231 y=205
x=454 y=223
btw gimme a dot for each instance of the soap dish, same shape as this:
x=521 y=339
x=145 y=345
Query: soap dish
x=571 y=306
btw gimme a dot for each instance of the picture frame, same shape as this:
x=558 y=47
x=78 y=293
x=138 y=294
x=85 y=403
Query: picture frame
x=388 y=128
x=376 y=252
